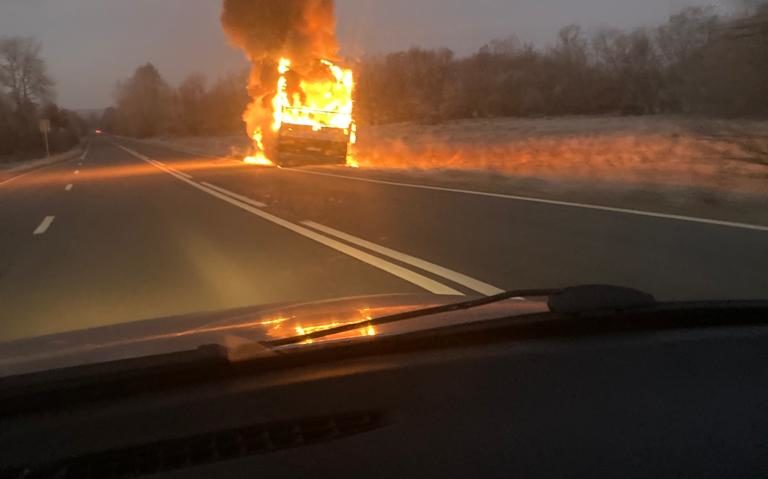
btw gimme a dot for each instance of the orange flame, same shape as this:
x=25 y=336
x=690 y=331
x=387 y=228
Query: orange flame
x=259 y=158
x=320 y=103
x=323 y=101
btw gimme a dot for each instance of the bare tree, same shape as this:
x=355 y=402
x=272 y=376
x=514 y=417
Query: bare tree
x=144 y=103
x=686 y=33
x=508 y=46
x=191 y=96
x=632 y=67
x=415 y=79
x=23 y=72
x=572 y=46
x=225 y=102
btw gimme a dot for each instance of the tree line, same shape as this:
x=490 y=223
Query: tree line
x=26 y=96
x=698 y=62
x=146 y=105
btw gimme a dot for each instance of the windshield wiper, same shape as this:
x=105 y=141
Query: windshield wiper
x=419 y=313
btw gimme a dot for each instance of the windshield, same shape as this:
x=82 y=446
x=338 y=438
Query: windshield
x=187 y=160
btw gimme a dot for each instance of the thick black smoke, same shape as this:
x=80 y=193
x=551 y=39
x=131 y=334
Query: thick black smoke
x=302 y=30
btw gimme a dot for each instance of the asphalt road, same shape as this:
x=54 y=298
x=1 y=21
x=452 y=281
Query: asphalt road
x=116 y=236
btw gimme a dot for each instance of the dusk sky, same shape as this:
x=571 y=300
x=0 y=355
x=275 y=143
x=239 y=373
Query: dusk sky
x=90 y=44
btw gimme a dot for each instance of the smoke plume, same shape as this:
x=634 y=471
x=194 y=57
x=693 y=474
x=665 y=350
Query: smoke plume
x=302 y=30
x=266 y=30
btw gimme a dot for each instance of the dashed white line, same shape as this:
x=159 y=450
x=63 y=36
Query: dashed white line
x=47 y=221
x=412 y=277
x=242 y=198
x=456 y=277
x=69 y=187
x=690 y=219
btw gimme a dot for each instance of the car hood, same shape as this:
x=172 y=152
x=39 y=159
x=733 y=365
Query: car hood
x=240 y=328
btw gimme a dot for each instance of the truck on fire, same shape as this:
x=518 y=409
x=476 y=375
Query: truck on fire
x=299 y=144
x=314 y=116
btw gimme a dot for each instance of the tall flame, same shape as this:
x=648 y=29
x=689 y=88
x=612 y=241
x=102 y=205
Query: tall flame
x=324 y=101
x=321 y=103
x=289 y=44
x=259 y=158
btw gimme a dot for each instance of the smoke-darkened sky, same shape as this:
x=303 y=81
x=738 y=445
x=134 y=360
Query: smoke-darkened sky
x=90 y=44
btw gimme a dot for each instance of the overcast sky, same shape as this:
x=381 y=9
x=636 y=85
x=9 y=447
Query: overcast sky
x=90 y=44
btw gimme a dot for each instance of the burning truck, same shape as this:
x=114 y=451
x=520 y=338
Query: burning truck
x=313 y=119
x=301 y=110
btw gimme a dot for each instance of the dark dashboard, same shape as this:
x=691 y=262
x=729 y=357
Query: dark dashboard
x=531 y=399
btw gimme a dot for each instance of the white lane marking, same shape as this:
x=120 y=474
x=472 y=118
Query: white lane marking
x=85 y=153
x=185 y=175
x=651 y=214
x=77 y=172
x=69 y=187
x=47 y=221
x=135 y=153
x=456 y=277
x=242 y=198
x=18 y=176
x=160 y=162
x=405 y=274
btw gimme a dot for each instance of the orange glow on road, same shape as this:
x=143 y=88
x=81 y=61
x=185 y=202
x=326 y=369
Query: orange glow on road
x=258 y=160
x=95 y=172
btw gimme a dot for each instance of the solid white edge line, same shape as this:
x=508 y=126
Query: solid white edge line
x=185 y=175
x=236 y=196
x=650 y=214
x=135 y=153
x=13 y=178
x=405 y=274
x=456 y=277
x=69 y=187
x=47 y=221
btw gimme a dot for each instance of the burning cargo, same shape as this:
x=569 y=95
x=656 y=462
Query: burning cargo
x=313 y=116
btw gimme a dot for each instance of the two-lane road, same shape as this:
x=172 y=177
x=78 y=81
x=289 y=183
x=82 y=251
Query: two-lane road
x=133 y=232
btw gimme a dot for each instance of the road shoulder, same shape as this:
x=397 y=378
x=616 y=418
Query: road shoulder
x=15 y=170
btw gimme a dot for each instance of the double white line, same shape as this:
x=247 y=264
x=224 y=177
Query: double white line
x=312 y=231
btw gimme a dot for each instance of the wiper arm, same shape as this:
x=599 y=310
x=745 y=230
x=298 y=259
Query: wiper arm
x=419 y=313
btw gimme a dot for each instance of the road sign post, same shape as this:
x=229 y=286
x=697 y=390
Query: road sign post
x=45 y=127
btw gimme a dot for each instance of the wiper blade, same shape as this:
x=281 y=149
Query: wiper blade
x=419 y=313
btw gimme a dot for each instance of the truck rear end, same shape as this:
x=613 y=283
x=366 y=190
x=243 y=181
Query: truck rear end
x=313 y=115
x=302 y=145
